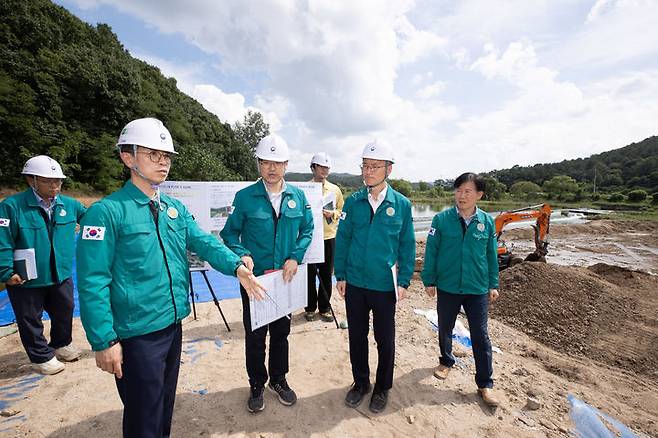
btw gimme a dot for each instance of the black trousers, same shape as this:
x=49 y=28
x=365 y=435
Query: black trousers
x=148 y=387
x=29 y=303
x=358 y=304
x=477 y=314
x=316 y=298
x=254 y=343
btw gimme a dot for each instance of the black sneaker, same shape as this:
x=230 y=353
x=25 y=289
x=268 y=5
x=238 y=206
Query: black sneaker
x=356 y=394
x=256 y=402
x=326 y=316
x=378 y=401
x=286 y=395
x=310 y=316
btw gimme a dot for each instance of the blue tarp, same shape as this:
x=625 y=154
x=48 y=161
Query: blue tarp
x=224 y=286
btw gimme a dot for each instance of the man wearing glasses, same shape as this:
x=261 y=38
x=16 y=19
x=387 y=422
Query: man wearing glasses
x=133 y=279
x=270 y=227
x=41 y=222
x=375 y=256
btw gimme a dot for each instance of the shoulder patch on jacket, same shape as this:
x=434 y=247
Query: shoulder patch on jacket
x=343 y=215
x=4 y=222
x=92 y=232
x=432 y=231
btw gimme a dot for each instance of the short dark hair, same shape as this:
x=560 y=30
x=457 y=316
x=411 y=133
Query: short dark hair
x=480 y=184
x=126 y=148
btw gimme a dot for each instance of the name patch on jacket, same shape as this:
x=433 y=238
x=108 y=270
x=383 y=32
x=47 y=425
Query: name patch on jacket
x=4 y=222
x=92 y=232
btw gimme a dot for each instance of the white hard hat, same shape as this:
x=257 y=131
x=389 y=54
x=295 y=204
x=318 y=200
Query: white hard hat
x=149 y=133
x=321 y=158
x=272 y=148
x=378 y=150
x=44 y=166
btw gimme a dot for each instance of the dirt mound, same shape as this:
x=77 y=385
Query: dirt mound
x=604 y=312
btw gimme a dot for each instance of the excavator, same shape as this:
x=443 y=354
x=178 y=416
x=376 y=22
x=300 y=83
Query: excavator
x=542 y=213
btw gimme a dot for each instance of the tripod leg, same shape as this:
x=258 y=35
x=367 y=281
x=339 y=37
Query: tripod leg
x=216 y=301
x=192 y=295
x=326 y=295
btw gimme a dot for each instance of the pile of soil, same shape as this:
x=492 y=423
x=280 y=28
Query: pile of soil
x=606 y=313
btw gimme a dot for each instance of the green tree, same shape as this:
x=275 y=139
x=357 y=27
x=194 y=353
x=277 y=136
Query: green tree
x=402 y=186
x=524 y=189
x=251 y=129
x=494 y=190
x=616 y=197
x=561 y=187
x=637 y=195
x=436 y=192
x=423 y=186
x=67 y=88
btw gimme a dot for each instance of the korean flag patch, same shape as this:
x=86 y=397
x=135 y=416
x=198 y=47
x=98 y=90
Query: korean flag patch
x=4 y=222
x=432 y=231
x=93 y=233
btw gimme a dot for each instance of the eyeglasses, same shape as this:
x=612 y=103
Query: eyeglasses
x=49 y=181
x=370 y=167
x=157 y=156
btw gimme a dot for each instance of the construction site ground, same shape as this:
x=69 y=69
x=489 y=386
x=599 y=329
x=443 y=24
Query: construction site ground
x=585 y=324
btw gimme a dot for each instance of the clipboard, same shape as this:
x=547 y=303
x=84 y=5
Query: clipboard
x=25 y=263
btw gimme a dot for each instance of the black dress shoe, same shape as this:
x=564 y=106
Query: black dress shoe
x=356 y=394
x=378 y=401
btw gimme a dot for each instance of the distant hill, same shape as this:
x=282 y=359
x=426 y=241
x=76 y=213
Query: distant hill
x=67 y=89
x=633 y=166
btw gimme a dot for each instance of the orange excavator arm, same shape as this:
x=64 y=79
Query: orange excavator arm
x=541 y=212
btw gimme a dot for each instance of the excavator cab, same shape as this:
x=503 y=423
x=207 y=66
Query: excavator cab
x=542 y=213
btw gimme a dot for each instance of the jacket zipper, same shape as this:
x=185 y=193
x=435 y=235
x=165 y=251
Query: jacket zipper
x=171 y=282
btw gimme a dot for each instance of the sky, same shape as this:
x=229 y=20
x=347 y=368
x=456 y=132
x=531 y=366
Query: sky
x=453 y=86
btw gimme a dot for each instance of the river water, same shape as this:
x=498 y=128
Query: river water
x=423 y=213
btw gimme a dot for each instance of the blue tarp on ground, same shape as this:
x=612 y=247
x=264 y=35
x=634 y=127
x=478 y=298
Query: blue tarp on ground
x=224 y=286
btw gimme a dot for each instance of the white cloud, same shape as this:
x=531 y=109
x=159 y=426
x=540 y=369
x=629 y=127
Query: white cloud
x=455 y=86
x=431 y=90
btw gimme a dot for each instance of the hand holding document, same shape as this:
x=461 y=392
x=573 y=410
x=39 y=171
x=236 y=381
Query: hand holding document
x=282 y=297
x=25 y=264
x=328 y=206
x=250 y=283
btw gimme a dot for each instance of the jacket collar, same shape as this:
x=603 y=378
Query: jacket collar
x=479 y=215
x=389 y=197
x=262 y=191
x=33 y=201
x=135 y=193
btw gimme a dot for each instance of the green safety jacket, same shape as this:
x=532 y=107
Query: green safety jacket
x=24 y=225
x=133 y=276
x=461 y=261
x=368 y=244
x=253 y=229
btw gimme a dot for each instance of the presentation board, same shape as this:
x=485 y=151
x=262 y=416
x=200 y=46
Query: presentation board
x=210 y=203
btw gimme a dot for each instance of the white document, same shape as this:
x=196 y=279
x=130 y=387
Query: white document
x=313 y=192
x=26 y=263
x=281 y=298
x=329 y=201
x=394 y=271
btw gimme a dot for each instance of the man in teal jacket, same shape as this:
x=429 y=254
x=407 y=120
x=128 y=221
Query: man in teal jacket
x=461 y=263
x=42 y=221
x=375 y=243
x=133 y=279
x=270 y=227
